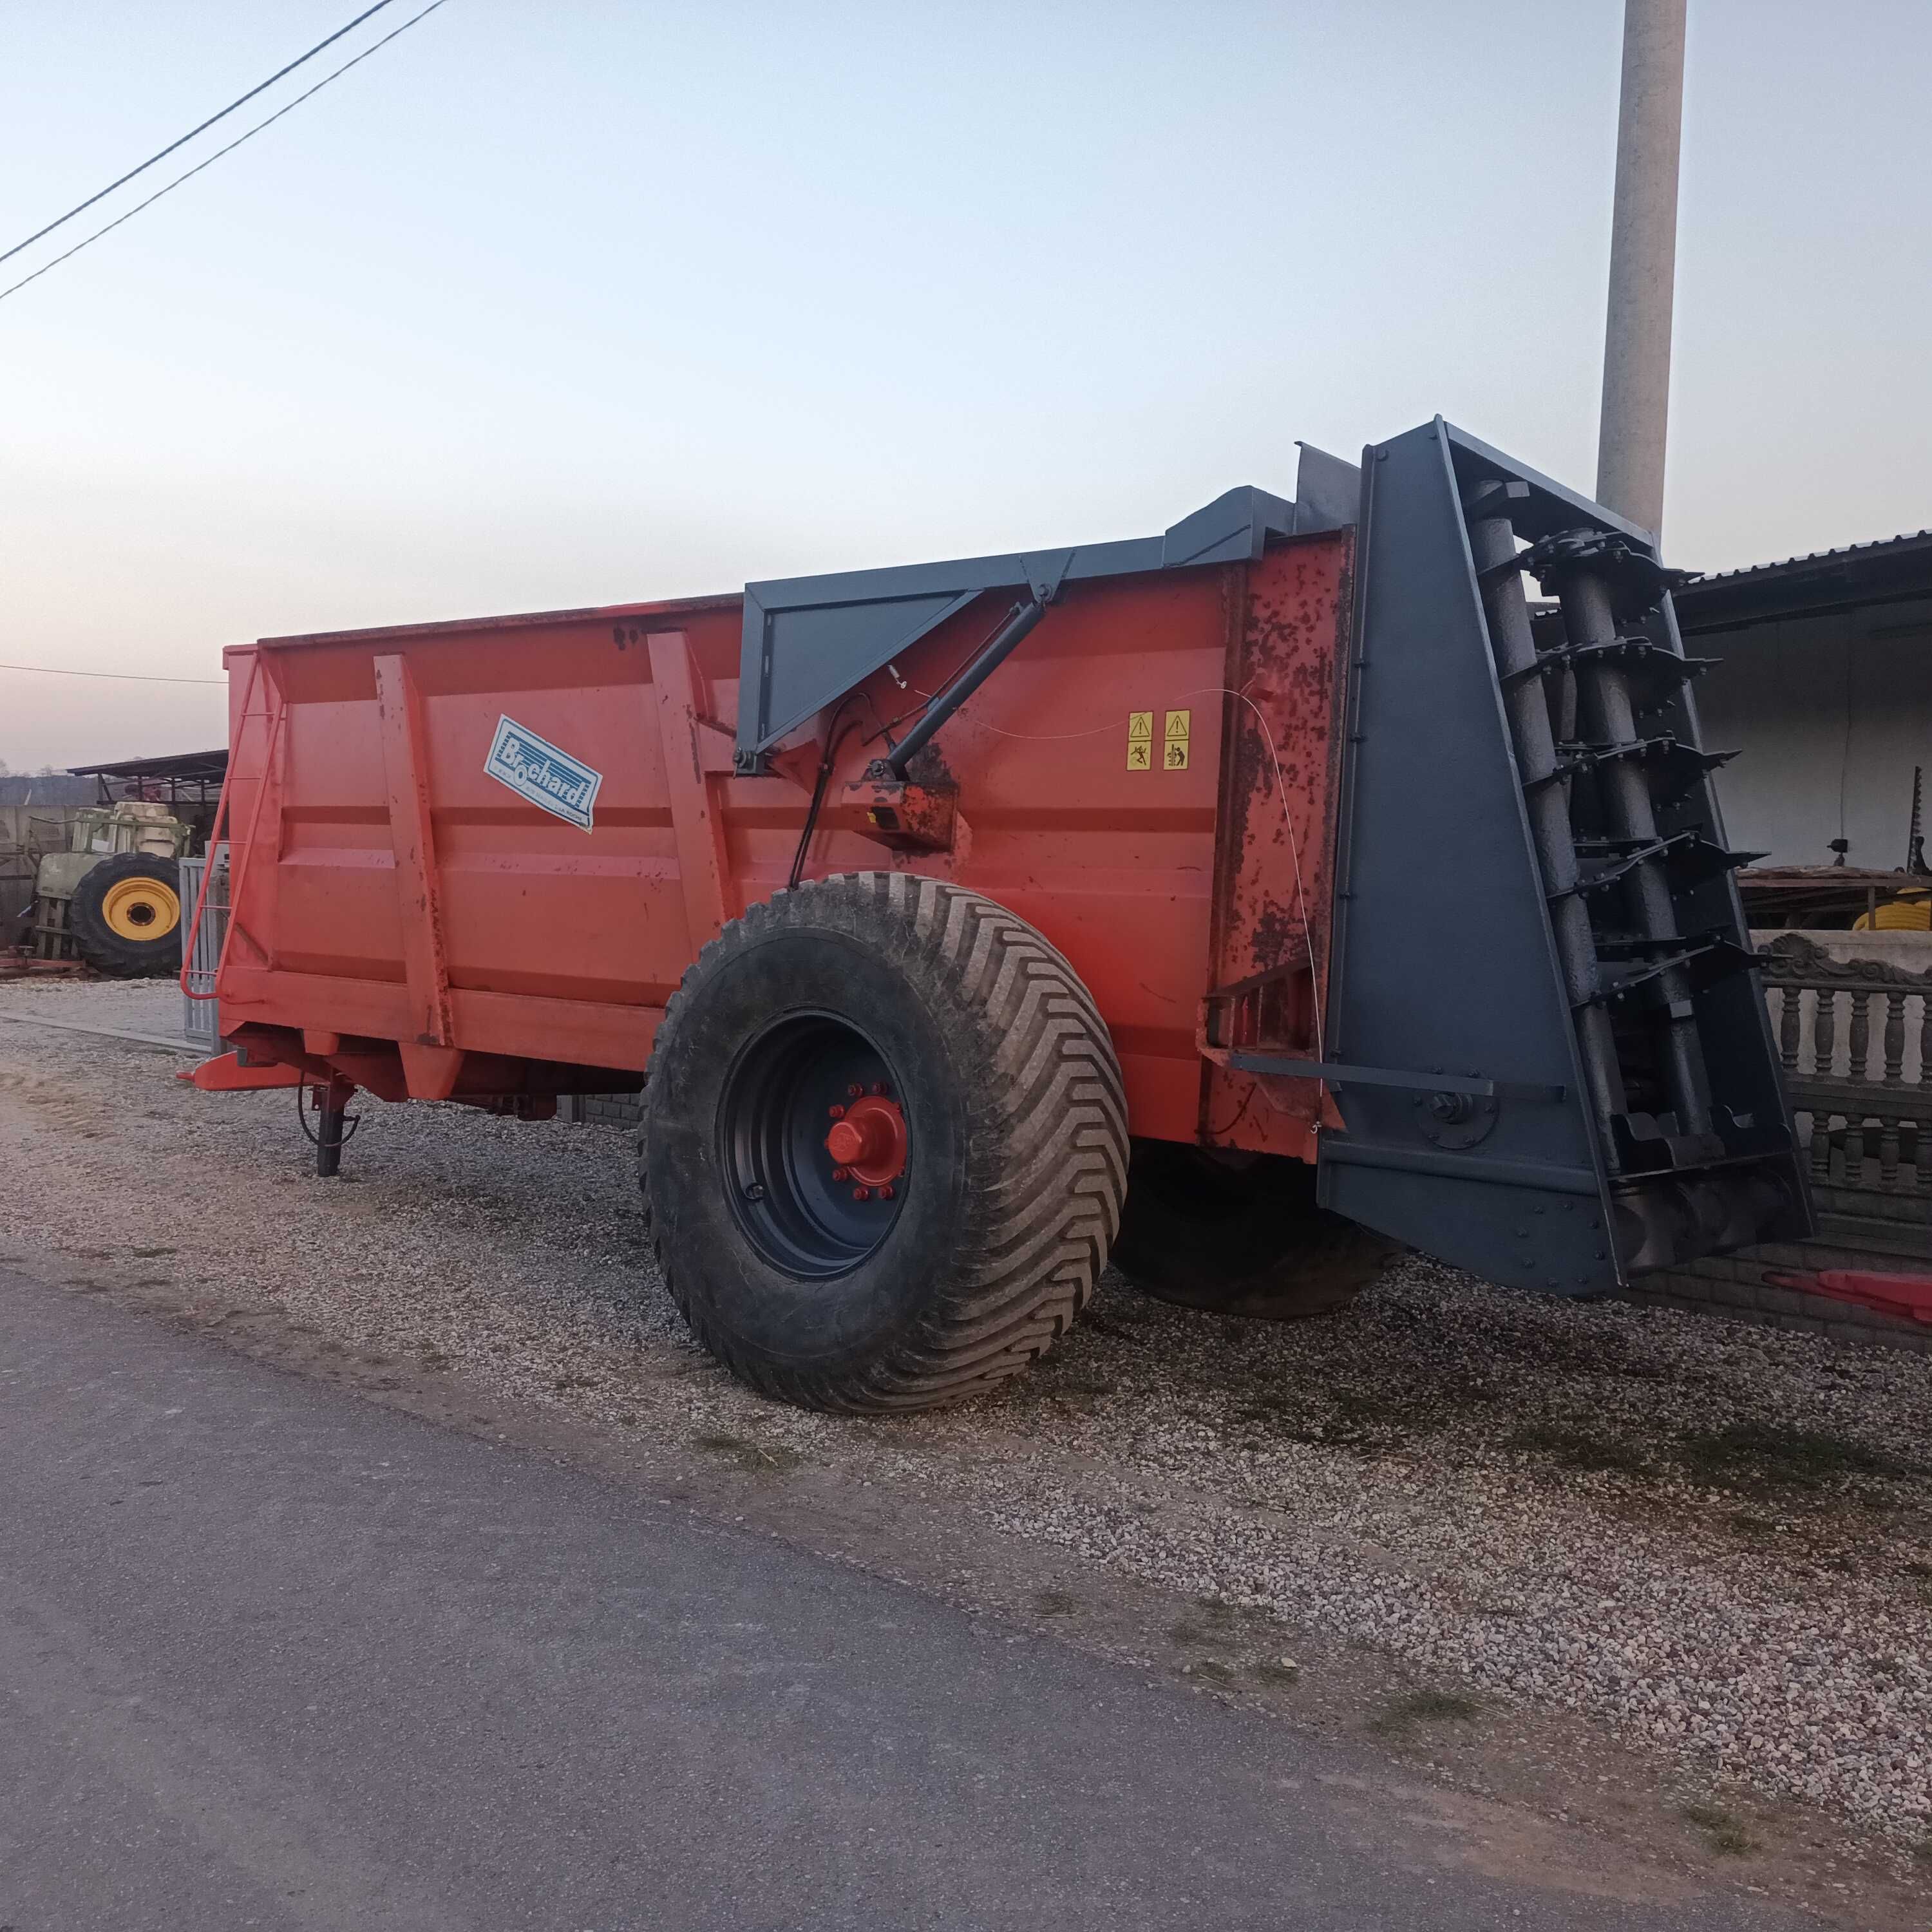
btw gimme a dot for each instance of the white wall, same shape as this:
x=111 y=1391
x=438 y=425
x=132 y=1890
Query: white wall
x=1819 y=709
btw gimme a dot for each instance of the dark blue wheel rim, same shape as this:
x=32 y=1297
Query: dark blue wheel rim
x=775 y=1110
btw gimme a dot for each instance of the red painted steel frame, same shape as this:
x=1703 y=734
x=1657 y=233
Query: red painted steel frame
x=404 y=920
x=1906 y=1297
x=225 y=1074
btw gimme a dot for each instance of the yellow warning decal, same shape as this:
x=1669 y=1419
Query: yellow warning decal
x=1140 y=741
x=1174 y=756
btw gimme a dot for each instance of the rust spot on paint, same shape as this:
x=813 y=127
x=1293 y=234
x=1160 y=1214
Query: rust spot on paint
x=1280 y=777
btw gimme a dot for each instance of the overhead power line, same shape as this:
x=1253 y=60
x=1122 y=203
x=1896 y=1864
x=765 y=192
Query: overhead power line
x=82 y=207
x=120 y=676
x=269 y=122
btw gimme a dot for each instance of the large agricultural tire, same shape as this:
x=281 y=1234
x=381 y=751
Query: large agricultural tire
x=982 y=1111
x=1240 y=1238
x=124 y=917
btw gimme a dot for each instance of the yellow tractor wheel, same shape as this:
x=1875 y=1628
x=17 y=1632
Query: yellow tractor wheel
x=125 y=916
x=141 y=908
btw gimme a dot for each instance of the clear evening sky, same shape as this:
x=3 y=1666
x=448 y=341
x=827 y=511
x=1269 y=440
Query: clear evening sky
x=597 y=300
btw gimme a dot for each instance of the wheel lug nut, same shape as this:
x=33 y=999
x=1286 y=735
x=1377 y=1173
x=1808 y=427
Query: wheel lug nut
x=837 y=1113
x=841 y=1173
x=853 y=1093
x=886 y=1192
x=862 y=1194
x=878 y=1087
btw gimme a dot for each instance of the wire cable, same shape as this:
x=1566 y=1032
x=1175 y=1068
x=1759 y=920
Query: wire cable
x=81 y=207
x=1281 y=791
x=929 y=698
x=121 y=676
x=269 y=122
x=352 y=1123
x=834 y=737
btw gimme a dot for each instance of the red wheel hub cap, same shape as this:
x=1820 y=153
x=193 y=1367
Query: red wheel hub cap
x=870 y=1140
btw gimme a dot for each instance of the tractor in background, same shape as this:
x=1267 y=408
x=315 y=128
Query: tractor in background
x=112 y=898
x=109 y=895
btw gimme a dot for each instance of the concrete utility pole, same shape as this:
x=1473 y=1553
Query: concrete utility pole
x=1643 y=264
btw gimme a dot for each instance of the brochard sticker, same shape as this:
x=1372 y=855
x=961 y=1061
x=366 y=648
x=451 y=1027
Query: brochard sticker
x=535 y=768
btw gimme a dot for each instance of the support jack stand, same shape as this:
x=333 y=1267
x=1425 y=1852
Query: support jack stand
x=331 y=1103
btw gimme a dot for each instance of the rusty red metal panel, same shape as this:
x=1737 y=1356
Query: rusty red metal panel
x=532 y=905
x=1273 y=864
x=253 y=793
x=1058 y=790
x=405 y=765
x=704 y=865
x=906 y=817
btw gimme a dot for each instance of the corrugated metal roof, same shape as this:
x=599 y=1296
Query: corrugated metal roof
x=210 y=765
x=1825 y=582
x=1878 y=546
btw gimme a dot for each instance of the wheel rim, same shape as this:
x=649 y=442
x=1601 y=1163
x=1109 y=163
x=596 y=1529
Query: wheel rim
x=813 y=1145
x=140 y=909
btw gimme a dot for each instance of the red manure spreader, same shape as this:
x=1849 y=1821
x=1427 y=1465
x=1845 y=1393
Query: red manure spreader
x=1243 y=904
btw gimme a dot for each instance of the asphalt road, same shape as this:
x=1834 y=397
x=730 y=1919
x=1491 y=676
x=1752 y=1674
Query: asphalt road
x=273 y=1656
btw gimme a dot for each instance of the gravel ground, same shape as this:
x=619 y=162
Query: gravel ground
x=1716 y=1538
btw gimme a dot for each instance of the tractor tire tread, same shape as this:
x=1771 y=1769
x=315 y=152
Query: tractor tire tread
x=97 y=943
x=1048 y=1128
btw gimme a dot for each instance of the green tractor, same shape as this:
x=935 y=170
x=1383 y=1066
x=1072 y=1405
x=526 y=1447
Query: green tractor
x=113 y=897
